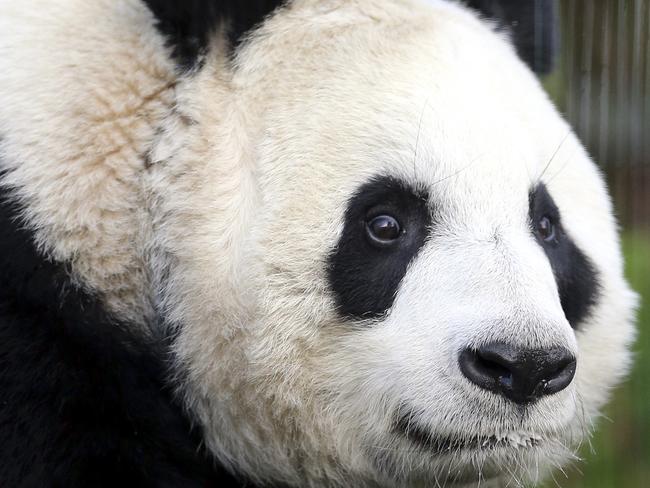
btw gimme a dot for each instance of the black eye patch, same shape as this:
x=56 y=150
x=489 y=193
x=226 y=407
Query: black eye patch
x=386 y=224
x=575 y=275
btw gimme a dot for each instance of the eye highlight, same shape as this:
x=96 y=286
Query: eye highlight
x=546 y=229
x=383 y=230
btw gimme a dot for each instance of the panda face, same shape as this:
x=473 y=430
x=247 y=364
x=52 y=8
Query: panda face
x=421 y=255
x=421 y=281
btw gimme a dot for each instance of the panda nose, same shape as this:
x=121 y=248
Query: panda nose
x=521 y=375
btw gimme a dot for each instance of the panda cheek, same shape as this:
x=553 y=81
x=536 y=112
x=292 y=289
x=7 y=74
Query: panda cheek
x=363 y=277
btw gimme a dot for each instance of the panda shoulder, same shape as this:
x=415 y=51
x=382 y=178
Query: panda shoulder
x=84 y=401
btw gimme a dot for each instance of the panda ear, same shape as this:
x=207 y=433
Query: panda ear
x=533 y=25
x=188 y=24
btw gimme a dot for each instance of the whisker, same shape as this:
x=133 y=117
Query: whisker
x=564 y=166
x=417 y=139
x=557 y=150
x=456 y=173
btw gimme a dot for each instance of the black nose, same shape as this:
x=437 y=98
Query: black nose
x=522 y=375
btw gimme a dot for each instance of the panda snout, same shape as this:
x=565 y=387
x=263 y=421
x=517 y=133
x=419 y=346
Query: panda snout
x=519 y=374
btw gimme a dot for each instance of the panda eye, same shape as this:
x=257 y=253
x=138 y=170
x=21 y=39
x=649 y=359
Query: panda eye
x=383 y=230
x=546 y=229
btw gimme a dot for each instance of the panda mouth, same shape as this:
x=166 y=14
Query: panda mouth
x=407 y=426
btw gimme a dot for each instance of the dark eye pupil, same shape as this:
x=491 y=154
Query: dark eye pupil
x=546 y=229
x=384 y=228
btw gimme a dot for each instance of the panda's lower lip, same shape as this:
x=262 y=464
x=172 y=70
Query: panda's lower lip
x=439 y=445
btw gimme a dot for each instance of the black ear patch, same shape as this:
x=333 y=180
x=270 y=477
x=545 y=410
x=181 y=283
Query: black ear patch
x=364 y=271
x=575 y=275
x=533 y=24
x=188 y=24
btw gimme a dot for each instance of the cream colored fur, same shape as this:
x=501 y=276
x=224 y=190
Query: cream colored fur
x=250 y=173
x=83 y=87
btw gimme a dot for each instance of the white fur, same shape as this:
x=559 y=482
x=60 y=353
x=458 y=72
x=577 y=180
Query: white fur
x=250 y=177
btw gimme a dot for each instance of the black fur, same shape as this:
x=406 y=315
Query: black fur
x=83 y=401
x=576 y=277
x=363 y=276
x=533 y=24
x=188 y=24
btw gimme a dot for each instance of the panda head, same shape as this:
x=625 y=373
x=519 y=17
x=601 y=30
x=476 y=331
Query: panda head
x=385 y=257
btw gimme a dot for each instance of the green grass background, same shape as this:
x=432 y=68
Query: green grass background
x=619 y=454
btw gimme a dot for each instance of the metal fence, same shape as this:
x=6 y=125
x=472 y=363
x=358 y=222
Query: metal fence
x=602 y=84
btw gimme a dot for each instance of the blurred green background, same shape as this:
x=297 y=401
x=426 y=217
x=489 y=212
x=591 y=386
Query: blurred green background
x=602 y=85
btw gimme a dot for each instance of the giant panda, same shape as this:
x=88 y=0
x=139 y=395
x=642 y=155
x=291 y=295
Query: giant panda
x=304 y=244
